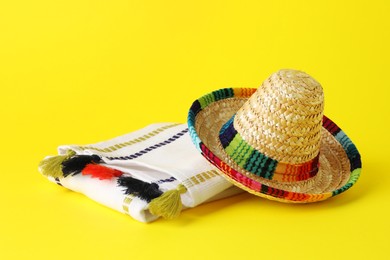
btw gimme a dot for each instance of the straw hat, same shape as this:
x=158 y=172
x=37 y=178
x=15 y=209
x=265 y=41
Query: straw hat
x=275 y=141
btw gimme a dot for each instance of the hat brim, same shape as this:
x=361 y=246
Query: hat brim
x=339 y=162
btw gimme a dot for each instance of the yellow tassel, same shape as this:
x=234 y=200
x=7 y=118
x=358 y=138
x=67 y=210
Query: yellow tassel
x=52 y=166
x=168 y=205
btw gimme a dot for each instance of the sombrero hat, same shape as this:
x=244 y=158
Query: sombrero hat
x=274 y=141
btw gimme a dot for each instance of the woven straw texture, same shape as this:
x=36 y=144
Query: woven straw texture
x=283 y=118
x=282 y=121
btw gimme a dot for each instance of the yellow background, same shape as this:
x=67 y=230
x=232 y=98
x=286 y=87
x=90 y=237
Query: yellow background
x=86 y=71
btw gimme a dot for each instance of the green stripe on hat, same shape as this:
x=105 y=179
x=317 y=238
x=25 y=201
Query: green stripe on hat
x=206 y=100
x=239 y=150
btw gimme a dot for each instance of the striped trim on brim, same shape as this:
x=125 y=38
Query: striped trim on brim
x=254 y=186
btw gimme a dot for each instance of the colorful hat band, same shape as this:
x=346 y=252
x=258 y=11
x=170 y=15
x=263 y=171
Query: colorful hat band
x=250 y=159
x=255 y=186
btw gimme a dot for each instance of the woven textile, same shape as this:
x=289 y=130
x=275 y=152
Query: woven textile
x=160 y=153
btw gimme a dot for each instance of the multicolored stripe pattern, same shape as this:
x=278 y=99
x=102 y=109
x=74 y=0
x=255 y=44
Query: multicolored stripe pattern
x=349 y=148
x=252 y=185
x=252 y=160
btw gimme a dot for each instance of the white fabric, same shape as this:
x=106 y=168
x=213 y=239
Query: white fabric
x=175 y=161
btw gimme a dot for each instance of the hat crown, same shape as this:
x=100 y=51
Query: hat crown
x=283 y=118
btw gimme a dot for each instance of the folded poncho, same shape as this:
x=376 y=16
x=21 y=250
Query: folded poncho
x=152 y=172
